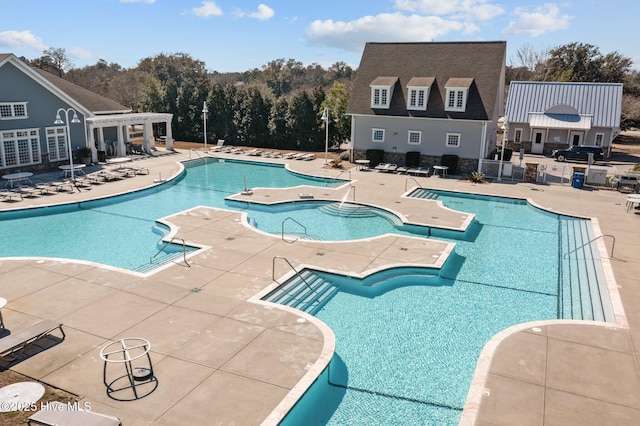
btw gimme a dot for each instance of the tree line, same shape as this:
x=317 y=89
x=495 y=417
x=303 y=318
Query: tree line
x=281 y=104
x=277 y=106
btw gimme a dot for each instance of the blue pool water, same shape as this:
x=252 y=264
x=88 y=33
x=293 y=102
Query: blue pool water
x=122 y=231
x=405 y=350
x=405 y=354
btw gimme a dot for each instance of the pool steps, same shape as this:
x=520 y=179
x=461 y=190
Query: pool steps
x=306 y=291
x=424 y=194
x=583 y=293
x=351 y=210
x=583 y=278
x=148 y=267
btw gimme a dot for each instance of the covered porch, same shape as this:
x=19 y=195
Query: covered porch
x=100 y=135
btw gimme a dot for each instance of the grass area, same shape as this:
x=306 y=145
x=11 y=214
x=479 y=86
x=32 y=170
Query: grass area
x=51 y=394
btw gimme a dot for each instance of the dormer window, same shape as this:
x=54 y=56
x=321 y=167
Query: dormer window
x=457 y=90
x=381 y=92
x=418 y=93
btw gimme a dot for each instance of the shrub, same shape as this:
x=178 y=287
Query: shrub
x=476 y=177
x=336 y=164
x=344 y=155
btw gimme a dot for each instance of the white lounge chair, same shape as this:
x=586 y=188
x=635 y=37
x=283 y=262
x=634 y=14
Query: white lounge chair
x=308 y=157
x=9 y=194
x=218 y=146
x=12 y=345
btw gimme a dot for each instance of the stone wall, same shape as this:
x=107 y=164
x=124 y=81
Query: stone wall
x=465 y=165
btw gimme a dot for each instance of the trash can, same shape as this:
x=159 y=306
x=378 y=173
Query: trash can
x=102 y=156
x=578 y=180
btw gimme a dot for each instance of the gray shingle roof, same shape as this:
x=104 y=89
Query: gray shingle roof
x=602 y=101
x=480 y=61
x=95 y=103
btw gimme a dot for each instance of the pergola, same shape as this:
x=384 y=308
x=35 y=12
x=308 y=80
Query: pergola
x=120 y=121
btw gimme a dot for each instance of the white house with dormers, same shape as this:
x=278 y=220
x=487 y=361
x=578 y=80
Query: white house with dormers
x=430 y=98
x=30 y=138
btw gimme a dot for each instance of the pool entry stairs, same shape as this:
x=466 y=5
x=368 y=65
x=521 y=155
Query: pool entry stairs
x=306 y=291
x=424 y=194
x=581 y=281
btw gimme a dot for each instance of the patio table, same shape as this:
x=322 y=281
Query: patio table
x=17 y=177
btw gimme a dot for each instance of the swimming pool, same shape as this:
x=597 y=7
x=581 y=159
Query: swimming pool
x=406 y=353
x=123 y=231
x=469 y=276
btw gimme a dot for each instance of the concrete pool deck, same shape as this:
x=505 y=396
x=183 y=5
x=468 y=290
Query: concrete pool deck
x=221 y=358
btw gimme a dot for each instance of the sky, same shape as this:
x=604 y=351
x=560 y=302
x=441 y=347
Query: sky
x=240 y=35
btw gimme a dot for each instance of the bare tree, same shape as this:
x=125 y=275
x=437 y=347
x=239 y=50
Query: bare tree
x=58 y=59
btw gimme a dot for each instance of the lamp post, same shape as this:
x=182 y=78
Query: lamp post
x=74 y=120
x=325 y=118
x=205 y=111
x=505 y=136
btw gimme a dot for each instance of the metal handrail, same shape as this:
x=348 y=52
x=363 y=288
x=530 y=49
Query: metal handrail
x=184 y=250
x=407 y=180
x=343 y=172
x=273 y=271
x=292 y=219
x=194 y=150
x=613 y=245
x=348 y=191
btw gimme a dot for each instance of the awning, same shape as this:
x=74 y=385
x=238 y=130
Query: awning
x=559 y=121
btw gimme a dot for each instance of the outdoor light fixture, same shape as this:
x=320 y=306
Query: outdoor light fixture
x=325 y=118
x=205 y=111
x=74 y=120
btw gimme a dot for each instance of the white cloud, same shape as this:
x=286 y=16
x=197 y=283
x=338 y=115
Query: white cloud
x=264 y=13
x=80 y=53
x=482 y=10
x=543 y=19
x=21 y=40
x=207 y=9
x=387 y=27
x=138 y=1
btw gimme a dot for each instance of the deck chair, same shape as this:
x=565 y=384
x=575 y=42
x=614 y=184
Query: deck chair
x=13 y=345
x=308 y=157
x=218 y=146
x=10 y=194
x=56 y=413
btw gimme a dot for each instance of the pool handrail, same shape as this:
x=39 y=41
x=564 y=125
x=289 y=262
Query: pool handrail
x=407 y=180
x=273 y=272
x=184 y=250
x=282 y=233
x=613 y=244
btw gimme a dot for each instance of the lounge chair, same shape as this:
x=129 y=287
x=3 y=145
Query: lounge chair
x=298 y=156
x=386 y=167
x=28 y=191
x=290 y=155
x=9 y=194
x=253 y=152
x=418 y=171
x=218 y=146
x=308 y=157
x=12 y=345
x=56 y=413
